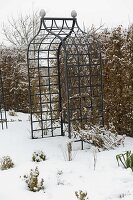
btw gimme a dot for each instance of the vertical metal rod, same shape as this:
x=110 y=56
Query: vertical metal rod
x=68 y=97
x=29 y=93
x=40 y=94
x=50 y=99
x=90 y=71
x=102 y=90
x=1 y=100
x=79 y=81
x=59 y=86
x=3 y=115
x=66 y=73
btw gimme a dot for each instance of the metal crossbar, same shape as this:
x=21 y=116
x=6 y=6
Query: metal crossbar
x=3 y=118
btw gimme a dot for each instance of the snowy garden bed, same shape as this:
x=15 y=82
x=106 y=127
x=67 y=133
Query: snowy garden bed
x=62 y=178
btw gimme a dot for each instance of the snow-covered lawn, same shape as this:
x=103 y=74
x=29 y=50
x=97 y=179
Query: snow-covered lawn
x=61 y=178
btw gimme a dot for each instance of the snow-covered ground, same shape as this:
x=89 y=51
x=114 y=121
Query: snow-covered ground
x=61 y=178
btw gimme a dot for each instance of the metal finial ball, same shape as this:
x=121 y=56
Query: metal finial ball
x=42 y=13
x=74 y=13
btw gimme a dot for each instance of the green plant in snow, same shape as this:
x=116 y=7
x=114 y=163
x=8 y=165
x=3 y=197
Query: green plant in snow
x=126 y=159
x=6 y=163
x=32 y=181
x=81 y=195
x=38 y=156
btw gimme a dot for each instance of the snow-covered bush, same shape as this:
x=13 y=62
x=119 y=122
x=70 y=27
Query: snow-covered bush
x=15 y=83
x=118 y=78
x=33 y=182
x=12 y=113
x=6 y=163
x=100 y=137
x=126 y=159
x=38 y=156
x=81 y=195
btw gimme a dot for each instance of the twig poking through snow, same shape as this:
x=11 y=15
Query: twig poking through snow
x=94 y=151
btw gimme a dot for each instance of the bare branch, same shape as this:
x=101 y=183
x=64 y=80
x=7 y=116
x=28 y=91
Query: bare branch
x=20 y=30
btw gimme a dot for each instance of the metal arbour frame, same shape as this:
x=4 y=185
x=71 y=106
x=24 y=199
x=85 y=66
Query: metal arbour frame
x=65 y=78
x=3 y=118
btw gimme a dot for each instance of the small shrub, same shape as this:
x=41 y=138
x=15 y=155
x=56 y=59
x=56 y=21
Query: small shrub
x=81 y=195
x=32 y=181
x=124 y=195
x=60 y=181
x=38 y=156
x=126 y=159
x=100 y=137
x=12 y=113
x=6 y=163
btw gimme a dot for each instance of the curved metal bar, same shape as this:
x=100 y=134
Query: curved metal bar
x=34 y=36
x=86 y=34
x=58 y=26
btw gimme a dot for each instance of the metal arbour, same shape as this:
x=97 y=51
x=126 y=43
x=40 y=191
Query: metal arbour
x=3 y=118
x=65 y=78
